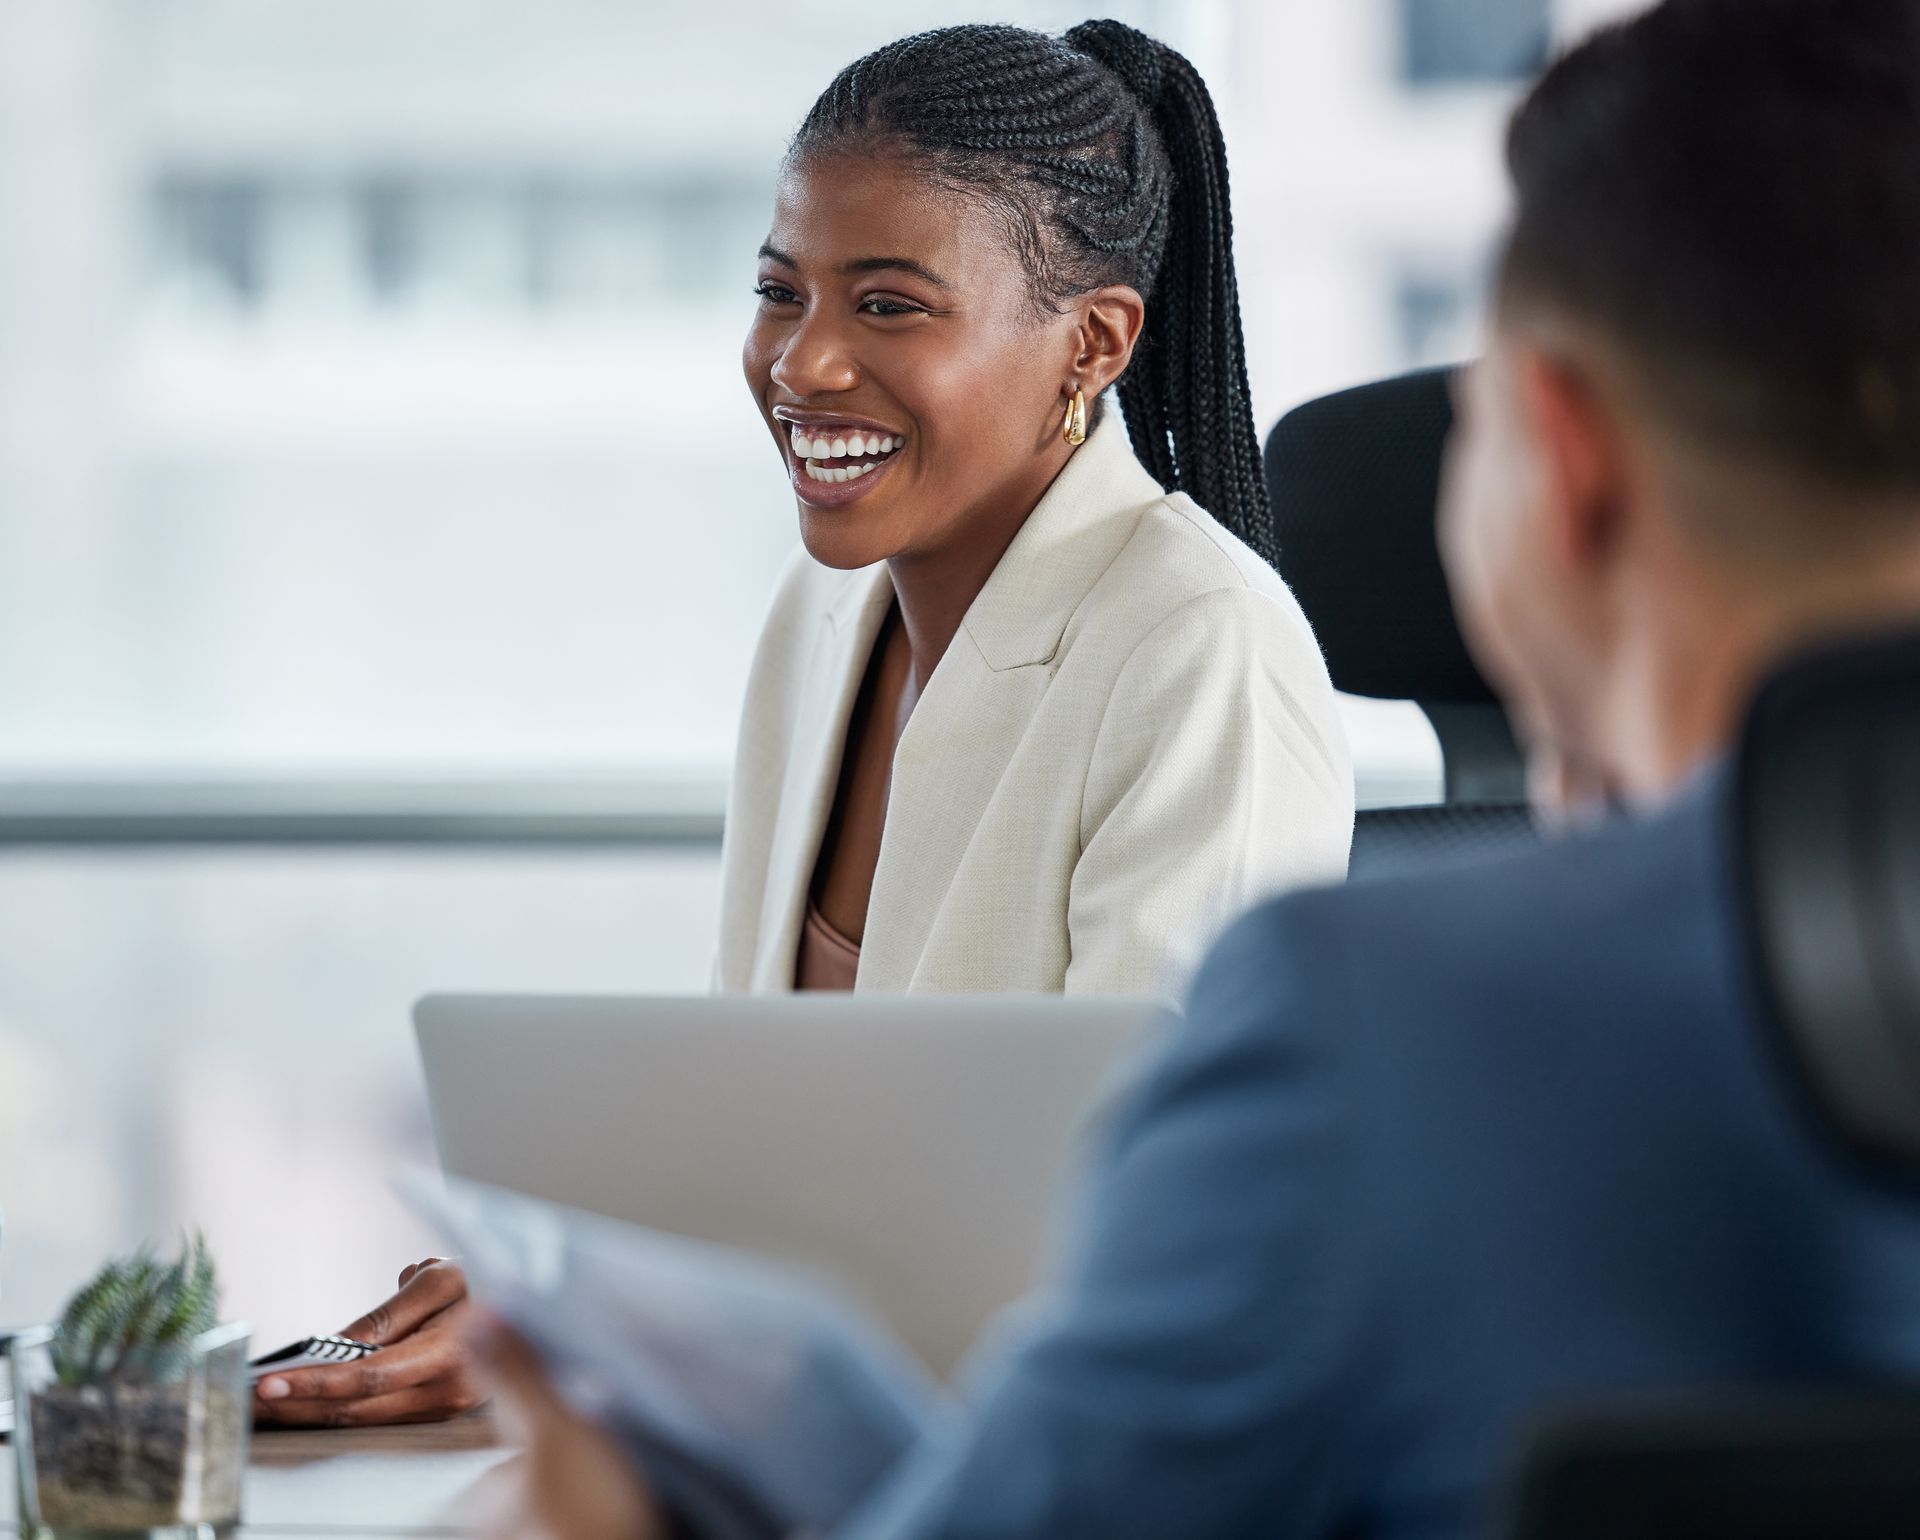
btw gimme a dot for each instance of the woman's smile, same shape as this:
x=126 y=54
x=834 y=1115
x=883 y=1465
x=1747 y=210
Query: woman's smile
x=836 y=460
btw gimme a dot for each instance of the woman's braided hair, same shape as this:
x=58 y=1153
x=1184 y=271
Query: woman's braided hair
x=1102 y=153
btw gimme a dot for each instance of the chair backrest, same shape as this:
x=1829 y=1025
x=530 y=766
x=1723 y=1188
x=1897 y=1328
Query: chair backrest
x=1826 y=835
x=1817 y=1466
x=1827 y=804
x=1355 y=480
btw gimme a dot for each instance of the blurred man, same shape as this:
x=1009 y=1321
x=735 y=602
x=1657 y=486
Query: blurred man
x=1431 y=1155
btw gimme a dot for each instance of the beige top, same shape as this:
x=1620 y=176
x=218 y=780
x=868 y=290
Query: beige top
x=828 y=960
x=829 y=957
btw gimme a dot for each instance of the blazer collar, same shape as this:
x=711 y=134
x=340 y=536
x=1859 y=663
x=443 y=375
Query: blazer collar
x=861 y=600
x=1069 y=539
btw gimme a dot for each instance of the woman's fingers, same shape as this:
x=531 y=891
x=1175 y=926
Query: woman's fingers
x=407 y=1272
x=421 y=1357
x=431 y=1367
x=432 y=1402
x=431 y=1288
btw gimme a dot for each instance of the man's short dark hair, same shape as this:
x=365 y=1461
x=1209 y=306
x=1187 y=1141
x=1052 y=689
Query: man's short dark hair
x=1730 y=190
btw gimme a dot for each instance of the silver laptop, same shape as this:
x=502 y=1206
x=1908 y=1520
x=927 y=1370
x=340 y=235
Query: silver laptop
x=912 y=1149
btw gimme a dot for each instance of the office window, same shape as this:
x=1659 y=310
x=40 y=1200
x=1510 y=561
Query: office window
x=1473 y=42
x=372 y=444
x=1435 y=313
x=372 y=437
x=207 y=242
x=381 y=245
x=398 y=420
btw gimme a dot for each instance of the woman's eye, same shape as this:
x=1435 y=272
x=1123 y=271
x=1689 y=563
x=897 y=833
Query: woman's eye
x=881 y=306
x=775 y=293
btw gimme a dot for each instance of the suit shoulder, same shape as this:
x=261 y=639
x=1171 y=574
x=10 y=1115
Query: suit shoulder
x=1192 y=553
x=1181 y=567
x=1640 y=908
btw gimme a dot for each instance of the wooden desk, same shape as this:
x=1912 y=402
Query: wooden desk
x=367 y=1484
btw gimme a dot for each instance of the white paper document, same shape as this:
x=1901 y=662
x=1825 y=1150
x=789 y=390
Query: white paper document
x=758 y=1402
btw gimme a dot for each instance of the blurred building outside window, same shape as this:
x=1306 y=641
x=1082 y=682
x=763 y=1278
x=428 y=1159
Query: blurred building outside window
x=372 y=438
x=1473 y=42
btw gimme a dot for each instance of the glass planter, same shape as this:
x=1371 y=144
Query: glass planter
x=158 y=1453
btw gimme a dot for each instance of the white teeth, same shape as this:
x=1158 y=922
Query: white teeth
x=835 y=473
x=855 y=444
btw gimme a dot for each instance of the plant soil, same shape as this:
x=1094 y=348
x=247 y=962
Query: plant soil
x=135 y=1456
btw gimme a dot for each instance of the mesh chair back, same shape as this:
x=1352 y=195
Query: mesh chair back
x=1355 y=480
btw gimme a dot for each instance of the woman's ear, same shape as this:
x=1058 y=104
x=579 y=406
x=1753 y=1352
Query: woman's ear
x=1110 y=322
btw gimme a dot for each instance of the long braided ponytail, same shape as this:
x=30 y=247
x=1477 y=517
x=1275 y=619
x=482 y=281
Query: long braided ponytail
x=1102 y=152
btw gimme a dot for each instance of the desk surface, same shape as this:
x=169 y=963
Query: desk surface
x=367 y=1484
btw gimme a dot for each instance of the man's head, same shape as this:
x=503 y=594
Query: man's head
x=1695 y=440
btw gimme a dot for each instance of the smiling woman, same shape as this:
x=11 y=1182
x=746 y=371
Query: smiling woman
x=1024 y=716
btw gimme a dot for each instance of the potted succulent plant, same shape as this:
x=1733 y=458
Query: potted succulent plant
x=132 y=1411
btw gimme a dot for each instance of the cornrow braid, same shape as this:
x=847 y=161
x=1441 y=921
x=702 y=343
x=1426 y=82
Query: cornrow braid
x=1102 y=153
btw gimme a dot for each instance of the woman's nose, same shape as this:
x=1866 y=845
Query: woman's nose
x=815 y=361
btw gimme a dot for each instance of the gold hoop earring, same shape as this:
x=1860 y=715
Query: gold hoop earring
x=1074 y=429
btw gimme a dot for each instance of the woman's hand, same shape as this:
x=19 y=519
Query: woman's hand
x=575 y=1483
x=422 y=1373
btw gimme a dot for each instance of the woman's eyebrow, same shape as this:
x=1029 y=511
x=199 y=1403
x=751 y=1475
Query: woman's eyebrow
x=897 y=264
x=772 y=253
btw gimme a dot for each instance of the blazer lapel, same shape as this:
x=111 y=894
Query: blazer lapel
x=842 y=645
x=946 y=769
x=976 y=708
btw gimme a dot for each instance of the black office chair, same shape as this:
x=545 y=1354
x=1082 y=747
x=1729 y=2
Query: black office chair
x=1827 y=840
x=1355 y=480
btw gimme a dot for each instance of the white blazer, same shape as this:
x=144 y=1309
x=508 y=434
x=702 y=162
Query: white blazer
x=1130 y=739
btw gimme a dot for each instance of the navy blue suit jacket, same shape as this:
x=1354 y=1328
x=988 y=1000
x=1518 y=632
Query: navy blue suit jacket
x=1426 y=1157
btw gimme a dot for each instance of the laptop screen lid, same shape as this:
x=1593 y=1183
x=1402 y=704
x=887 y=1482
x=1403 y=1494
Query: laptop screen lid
x=911 y=1149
